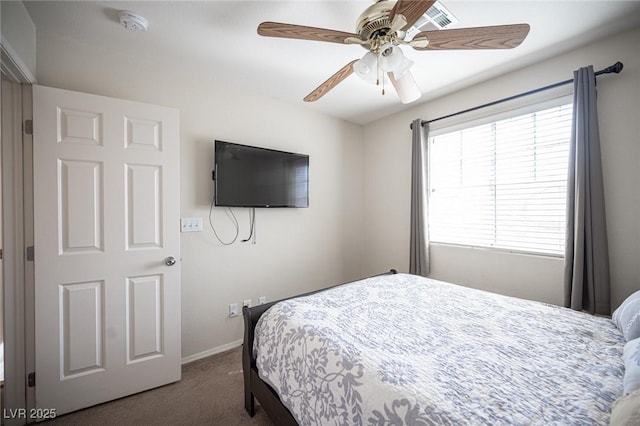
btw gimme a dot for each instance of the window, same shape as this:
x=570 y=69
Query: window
x=502 y=184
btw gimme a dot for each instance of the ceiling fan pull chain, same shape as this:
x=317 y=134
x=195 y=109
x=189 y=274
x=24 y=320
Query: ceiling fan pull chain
x=380 y=73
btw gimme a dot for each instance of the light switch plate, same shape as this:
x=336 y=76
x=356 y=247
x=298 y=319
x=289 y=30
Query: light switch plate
x=191 y=224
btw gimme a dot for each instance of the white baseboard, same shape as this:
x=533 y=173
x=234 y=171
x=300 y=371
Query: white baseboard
x=211 y=351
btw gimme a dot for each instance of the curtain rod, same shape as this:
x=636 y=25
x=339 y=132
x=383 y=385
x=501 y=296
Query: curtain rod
x=615 y=68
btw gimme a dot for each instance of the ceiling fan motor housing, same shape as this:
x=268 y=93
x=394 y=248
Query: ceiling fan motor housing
x=374 y=23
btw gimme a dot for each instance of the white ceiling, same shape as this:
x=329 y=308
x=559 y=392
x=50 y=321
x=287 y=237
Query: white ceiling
x=218 y=39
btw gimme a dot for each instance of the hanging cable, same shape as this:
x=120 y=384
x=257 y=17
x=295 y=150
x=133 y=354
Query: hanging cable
x=234 y=220
x=255 y=229
x=252 y=223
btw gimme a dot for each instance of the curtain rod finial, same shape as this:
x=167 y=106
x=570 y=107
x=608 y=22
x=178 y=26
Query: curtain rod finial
x=615 y=68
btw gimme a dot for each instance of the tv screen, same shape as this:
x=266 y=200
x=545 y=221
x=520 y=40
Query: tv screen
x=248 y=176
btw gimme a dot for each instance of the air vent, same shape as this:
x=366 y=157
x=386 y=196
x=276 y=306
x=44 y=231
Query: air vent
x=436 y=18
x=440 y=16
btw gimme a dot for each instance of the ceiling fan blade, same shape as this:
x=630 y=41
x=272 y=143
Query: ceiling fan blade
x=331 y=82
x=494 y=37
x=412 y=10
x=277 y=29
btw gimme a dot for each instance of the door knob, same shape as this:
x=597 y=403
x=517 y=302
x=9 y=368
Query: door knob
x=170 y=261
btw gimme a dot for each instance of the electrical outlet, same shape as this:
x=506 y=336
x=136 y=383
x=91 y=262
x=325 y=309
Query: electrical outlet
x=247 y=303
x=262 y=300
x=233 y=310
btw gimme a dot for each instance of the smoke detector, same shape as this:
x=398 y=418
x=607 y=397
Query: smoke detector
x=132 y=21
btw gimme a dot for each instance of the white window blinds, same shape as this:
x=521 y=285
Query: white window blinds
x=502 y=184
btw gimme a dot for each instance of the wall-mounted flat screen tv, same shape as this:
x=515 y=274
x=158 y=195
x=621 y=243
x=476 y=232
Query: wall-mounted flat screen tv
x=249 y=176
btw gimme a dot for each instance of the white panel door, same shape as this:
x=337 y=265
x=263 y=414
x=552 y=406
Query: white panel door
x=106 y=177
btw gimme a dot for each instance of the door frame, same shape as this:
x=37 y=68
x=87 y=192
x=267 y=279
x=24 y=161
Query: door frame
x=18 y=308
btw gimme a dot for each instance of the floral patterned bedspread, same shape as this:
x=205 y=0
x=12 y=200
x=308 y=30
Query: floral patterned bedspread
x=408 y=350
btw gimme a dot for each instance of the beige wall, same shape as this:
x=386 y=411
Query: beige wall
x=388 y=151
x=297 y=249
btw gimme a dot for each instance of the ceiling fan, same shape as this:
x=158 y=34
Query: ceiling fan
x=381 y=29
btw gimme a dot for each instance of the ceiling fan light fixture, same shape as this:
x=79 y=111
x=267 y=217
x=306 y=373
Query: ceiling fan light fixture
x=366 y=68
x=406 y=87
x=390 y=57
x=403 y=67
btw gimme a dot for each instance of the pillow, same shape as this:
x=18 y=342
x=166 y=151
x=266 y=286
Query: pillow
x=631 y=359
x=627 y=317
x=626 y=410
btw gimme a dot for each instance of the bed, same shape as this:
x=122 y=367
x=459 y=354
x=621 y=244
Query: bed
x=401 y=349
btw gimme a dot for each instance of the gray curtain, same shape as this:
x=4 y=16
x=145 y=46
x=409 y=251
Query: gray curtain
x=419 y=241
x=586 y=268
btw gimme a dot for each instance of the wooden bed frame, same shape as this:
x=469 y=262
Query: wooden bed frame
x=254 y=386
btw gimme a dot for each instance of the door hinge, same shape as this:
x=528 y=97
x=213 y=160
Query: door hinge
x=30 y=253
x=31 y=379
x=28 y=127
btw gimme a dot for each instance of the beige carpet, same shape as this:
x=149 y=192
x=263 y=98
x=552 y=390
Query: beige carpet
x=210 y=393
